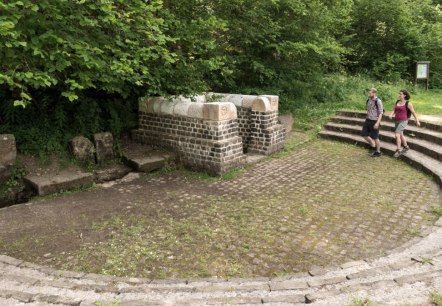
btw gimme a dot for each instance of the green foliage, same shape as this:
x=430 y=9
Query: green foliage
x=388 y=37
x=73 y=46
x=78 y=67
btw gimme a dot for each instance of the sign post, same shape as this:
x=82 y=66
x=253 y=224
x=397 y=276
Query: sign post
x=423 y=72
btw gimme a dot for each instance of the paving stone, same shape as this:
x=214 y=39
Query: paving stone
x=401 y=264
x=97 y=288
x=288 y=285
x=17 y=295
x=313 y=297
x=67 y=274
x=234 y=301
x=368 y=273
x=368 y=286
x=58 y=283
x=57 y=300
x=233 y=287
x=318 y=271
x=143 y=302
x=327 y=281
x=292 y=298
x=10 y=261
x=420 y=277
x=20 y=279
x=352 y=264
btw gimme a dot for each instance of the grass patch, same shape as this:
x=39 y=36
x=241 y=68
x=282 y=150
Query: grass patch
x=361 y=302
x=437 y=210
x=436 y=298
x=316 y=104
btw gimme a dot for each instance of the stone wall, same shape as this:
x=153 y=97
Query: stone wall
x=211 y=136
x=257 y=121
x=205 y=135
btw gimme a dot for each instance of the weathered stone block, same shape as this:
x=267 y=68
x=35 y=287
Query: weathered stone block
x=82 y=148
x=8 y=155
x=219 y=111
x=104 y=143
x=65 y=180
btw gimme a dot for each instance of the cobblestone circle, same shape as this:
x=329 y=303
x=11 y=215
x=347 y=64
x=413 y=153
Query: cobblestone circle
x=358 y=228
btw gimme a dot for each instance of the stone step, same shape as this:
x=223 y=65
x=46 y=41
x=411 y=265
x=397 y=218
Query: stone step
x=65 y=180
x=431 y=149
x=416 y=159
x=411 y=130
x=434 y=125
x=147 y=160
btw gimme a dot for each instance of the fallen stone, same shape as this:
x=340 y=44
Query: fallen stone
x=65 y=180
x=82 y=149
x=104 y=146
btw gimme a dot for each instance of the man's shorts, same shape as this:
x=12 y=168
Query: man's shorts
x=369 y=130
x=399 y=127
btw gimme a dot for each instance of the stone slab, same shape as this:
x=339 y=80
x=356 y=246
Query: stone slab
x=111 y=173
x=291 y=299
x=147 y=163
x=65 y=180
x=288 y=285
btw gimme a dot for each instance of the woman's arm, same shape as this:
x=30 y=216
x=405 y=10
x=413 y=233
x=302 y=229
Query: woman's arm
x=411 y=108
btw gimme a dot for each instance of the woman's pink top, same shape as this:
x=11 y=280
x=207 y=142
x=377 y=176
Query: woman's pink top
x=400 y=113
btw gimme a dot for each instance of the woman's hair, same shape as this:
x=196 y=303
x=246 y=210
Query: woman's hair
x=406 y=94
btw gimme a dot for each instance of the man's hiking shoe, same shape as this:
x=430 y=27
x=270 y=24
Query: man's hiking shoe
x=405 y=149
x=397 y=153
x=371 y=151
x=376 y=154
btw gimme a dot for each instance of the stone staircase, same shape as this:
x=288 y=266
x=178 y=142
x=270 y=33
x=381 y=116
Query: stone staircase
x=425 y=141
x=407 y=276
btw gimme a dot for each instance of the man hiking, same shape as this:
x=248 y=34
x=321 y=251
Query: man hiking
x=370 y=130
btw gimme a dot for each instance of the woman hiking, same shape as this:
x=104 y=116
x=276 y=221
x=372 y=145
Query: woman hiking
x=401 y=113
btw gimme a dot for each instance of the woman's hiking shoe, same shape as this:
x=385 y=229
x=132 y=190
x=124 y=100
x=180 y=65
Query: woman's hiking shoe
x=405 y=149
x=376 y=154
x=397 y=153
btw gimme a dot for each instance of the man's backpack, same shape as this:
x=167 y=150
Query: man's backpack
x=376 y=104
x=406 y=107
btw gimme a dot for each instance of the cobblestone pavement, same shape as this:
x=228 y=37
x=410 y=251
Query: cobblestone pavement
x=325 y=205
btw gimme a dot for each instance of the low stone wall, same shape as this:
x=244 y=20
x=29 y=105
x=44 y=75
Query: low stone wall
x=211 y=136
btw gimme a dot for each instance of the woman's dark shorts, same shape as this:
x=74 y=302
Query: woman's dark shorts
x=369 y=130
